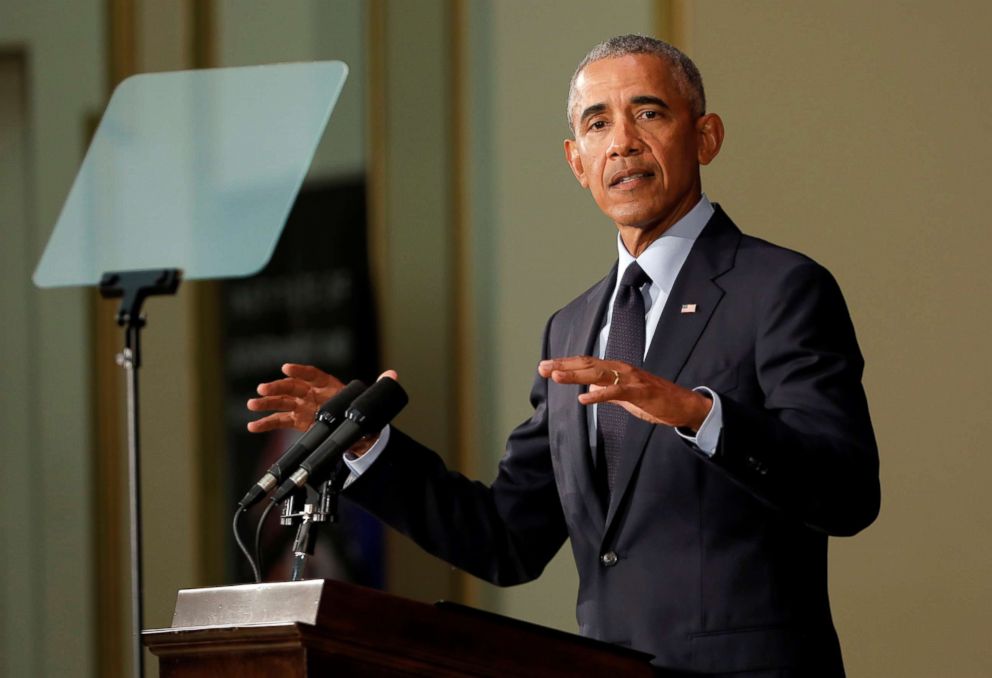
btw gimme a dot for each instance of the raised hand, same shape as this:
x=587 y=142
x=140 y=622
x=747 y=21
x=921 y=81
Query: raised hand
x=293 y=400
x=641 y=393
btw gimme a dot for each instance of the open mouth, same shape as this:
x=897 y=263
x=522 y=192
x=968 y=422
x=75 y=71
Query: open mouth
x=630 y=177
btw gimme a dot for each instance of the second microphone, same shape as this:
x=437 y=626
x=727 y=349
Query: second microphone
x=368 y=414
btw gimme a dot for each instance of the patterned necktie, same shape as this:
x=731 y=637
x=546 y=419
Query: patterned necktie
x=626 y=343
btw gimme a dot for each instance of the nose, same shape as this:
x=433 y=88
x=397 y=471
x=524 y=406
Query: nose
x=626 y=140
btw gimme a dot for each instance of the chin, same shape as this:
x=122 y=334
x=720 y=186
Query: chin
x=642 y=220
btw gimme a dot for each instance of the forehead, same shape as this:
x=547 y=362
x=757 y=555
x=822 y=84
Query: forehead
x=618 y=79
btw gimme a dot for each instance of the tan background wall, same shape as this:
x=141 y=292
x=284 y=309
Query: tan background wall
x=46 y=527
x=859 y=133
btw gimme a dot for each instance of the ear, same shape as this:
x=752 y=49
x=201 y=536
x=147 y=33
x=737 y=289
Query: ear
x=574 y=161
x=709 y=131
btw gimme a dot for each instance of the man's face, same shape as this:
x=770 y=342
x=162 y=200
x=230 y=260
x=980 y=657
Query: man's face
x=637 y=144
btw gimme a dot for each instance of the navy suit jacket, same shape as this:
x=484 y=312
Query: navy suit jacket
x=710 y=564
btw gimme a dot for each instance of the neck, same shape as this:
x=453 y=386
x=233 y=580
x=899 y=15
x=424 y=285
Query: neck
x=638 y=237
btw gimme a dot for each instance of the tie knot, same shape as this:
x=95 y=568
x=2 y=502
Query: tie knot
x=634 y=276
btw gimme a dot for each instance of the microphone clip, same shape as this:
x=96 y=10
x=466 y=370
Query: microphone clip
x=299 y=506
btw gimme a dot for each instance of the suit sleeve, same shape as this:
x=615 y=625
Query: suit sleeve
x=809 y=448
x=504 y=533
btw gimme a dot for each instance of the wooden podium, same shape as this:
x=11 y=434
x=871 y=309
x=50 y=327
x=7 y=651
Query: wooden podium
x=329 y=628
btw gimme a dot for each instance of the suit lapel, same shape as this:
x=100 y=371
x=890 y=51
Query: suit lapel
x=582 y=341
x=677 y=332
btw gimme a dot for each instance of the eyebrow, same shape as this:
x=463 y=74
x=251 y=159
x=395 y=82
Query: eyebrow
x=641 y=99
x=595 y=109
x=648 y=99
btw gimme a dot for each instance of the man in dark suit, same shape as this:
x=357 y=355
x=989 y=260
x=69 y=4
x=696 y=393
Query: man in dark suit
x=699 y=425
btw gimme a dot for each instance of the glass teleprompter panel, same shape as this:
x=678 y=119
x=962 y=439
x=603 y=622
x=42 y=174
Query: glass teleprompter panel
x=194 y=170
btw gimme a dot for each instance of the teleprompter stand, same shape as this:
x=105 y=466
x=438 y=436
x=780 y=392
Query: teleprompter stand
x=132 y=288
x=193 y=171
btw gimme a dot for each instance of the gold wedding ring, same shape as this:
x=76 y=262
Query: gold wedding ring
x=616 y=377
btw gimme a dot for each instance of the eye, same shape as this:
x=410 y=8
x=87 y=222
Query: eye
x=650 y=114
x=597 y=125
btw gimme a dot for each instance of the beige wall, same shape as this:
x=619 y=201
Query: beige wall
x=252 y=32
x=46 y=595
x=859 y=133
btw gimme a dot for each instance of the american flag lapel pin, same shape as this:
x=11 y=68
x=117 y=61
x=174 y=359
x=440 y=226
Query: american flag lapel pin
x=688 y=308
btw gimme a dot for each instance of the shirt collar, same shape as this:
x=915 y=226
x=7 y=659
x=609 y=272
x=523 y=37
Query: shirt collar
x=663 y=258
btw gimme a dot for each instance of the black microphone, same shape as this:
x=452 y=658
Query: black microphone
x=370 y=412
x=326 y=420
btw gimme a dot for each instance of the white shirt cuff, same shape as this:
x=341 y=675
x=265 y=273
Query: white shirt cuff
x=708 y=435
x=359 y=465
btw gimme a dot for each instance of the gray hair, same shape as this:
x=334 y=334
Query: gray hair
x=687 y=76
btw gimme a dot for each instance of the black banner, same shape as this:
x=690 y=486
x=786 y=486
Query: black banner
x=312 y=304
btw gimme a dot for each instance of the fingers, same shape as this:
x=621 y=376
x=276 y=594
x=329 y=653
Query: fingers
x=272 y=422
x=591 y=376
x=391 y=374
x=314 y=375
x=295 y=398
x=603 y=394
x=284 y=387
x=547 y=367
x=644 y=395
x=584 y=370
x=274 y=403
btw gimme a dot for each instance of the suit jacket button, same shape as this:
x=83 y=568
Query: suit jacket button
x=609 y=559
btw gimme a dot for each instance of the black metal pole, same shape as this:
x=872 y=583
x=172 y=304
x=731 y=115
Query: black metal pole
x=132 y=287
x=306 y=536
x=130 y=360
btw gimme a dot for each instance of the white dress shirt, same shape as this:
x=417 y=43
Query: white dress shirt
x=662 y=261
